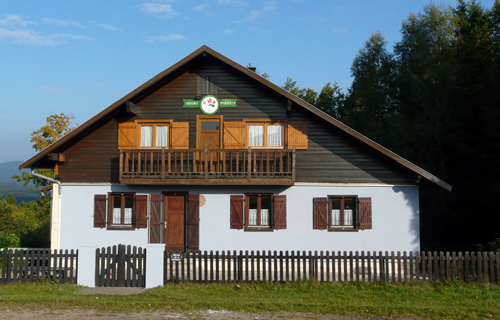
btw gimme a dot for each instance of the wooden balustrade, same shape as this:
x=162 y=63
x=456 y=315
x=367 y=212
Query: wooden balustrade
x=210 y=165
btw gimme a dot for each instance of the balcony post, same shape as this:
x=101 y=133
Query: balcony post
x=293 y=164
x=206 y=164
x=121 y=164
x=162 y=164
x=249 y=166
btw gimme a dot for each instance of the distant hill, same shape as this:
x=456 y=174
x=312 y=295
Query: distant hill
x=9 y=185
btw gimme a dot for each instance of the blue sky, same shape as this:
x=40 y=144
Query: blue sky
x=78 y=57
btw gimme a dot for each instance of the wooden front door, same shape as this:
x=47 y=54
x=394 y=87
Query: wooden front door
x=174 y=208
x=209 y=132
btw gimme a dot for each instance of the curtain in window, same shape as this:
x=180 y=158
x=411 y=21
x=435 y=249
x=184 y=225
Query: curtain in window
x=348 y=217
x=264 y=217
x=128 y=216
x=256 y=135
x=274 y=136
x=336 y=217
x=146 y=136
x=117 y=215
x=252 y=217
x=162 y=136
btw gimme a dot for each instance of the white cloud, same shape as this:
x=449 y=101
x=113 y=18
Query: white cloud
x=36 y=38
x=67 y=23
x=105 y=26
x=168 y=38
x=256 y=14
x=158 y=9
x=50 y=90
x=202 y=8
x=228 y=31
x=13 y=20
x=237 y=3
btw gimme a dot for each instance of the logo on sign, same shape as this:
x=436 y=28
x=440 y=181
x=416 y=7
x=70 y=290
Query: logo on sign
x=209 y=104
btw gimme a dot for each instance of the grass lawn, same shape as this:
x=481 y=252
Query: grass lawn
x=452 y=299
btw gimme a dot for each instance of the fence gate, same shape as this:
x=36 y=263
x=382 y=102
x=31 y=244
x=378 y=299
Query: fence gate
x=120 y=266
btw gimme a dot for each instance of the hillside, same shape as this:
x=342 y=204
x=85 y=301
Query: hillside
x=9 y=185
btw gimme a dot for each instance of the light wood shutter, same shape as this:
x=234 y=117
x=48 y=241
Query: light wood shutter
x=126 y=135
x=236 y=212
x=141 y=211
x=234 y=135
x=320 y=213
x=297 y=135
x=279 y=212
x=100 y=211
x=193 y=223
x=365 y=213
x=155 y=218
x=180 y=135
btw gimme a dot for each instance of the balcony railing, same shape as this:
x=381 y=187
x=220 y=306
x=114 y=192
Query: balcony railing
x=186 y=166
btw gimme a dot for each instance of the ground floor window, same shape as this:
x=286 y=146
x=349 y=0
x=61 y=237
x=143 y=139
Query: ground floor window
x=258 y=212
x=120 y=211
x=342 y=213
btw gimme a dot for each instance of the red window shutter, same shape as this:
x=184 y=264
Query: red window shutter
x=155 y=218
x=100 y=211
x=365 y=213
x=279 y=212
x=141 y=211
x=236 y=212
x=320 y=213
x=193 y=223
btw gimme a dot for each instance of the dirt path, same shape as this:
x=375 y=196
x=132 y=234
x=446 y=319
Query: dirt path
x=80 y=314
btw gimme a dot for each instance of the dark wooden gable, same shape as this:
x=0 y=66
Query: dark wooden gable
x=334 y=154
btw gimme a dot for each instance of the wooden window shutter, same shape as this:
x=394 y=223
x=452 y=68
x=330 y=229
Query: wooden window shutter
x=126 y=135
x=236 y=212
x=141 y=211
x=365 y=213
x=100 y=211
x=320 y=213
x=180 y=135
x=234 y=135
x=155 y=218
x=193 y=223
x=279 y=212
x=297 y=135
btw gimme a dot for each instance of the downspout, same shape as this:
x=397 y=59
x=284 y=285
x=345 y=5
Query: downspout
x=47 y=178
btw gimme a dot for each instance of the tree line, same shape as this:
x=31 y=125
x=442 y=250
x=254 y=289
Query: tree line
x=433 y=98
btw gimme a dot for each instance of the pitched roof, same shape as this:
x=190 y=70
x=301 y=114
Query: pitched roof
x=203 y=50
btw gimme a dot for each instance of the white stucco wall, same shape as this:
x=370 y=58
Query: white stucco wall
x=395 y=212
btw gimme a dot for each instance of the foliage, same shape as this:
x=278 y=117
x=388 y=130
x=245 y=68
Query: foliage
x=57 y=126
x=434 y=101
x=328 y=100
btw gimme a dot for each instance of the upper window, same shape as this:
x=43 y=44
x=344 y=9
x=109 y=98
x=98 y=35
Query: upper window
x=154 y=135
x=265 y=134
x=342 y=213
x=258 y=212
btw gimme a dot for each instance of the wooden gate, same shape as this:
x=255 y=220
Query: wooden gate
x=120 y=266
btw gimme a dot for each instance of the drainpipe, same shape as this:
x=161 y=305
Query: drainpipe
x=47 y=178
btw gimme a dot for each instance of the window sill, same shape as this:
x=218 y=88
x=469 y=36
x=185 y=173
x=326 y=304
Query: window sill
x=258 y=229
x=342 y=229
x=129 y=228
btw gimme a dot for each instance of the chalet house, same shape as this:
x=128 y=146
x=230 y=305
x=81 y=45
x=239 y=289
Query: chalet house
x=208 y=155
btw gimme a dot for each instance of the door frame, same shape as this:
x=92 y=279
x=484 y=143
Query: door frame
x=176 y=193
x=200 y=118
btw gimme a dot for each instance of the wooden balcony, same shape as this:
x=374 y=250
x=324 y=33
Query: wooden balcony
x=207 y=166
